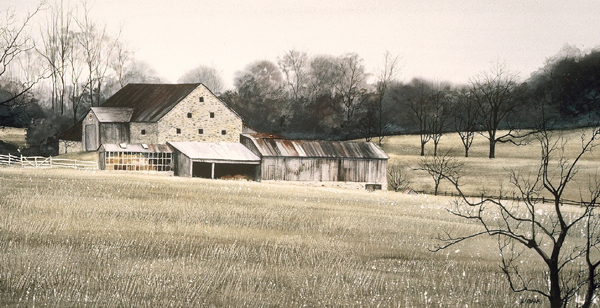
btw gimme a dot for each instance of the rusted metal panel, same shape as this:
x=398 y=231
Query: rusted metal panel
x=316 y=148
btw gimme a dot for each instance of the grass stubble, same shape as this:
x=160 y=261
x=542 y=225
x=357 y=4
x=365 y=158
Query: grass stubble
x=112 y=239
x=115 y=239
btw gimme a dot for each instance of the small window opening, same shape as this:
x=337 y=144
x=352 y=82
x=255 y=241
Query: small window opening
x=189 y=115
x=212 y=114
x=143 y=132
x=223 y=132
x=200 y=131
x=201 y=99
x=179 y=130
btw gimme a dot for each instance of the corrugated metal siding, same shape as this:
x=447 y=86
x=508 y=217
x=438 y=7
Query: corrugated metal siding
x=317 y=149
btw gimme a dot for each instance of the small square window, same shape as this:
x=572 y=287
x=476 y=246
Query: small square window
x=212 y=114
x=201 y=99
x=223 y=132
x=200 y=131
x=189 y=115
x=143 y=132
x=179 y=130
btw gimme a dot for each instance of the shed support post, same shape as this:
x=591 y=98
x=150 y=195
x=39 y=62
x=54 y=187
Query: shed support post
x=212 y=171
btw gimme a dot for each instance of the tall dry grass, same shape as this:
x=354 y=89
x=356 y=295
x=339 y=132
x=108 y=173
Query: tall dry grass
x=79 y=238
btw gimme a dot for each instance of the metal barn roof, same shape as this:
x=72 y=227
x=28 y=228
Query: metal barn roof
x=221 y=151
x=317 y=148
x=150 y=102
x=136 y=148
x=113 y=114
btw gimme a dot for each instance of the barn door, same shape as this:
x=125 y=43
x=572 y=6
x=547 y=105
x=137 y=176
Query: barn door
x=91 y=141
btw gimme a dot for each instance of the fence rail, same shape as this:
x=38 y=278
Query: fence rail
x=46 y=162
x=512 y=197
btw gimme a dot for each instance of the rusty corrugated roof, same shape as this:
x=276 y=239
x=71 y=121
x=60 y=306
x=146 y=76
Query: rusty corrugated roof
x=317 y=148
x=150 y=102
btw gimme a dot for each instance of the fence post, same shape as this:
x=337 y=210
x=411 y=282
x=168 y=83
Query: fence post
x=9 y=159
x=50 y=162
x=21 y=160
x=75 y=164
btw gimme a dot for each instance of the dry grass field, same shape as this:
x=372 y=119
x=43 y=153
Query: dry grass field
x=107 y=239
x=117 y=239
x=484 y=175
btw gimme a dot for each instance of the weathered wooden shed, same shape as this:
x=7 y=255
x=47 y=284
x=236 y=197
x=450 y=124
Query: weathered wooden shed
x=104 y=125
x=136 y=157
x=214 y=160
x=312 y=160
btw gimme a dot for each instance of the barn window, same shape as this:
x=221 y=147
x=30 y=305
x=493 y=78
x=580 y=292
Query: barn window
x=223 y=132
x=201 y=99
x=179 y=130
x=212 y=114
x=189 y=115
x=143 y=132
x=200 y=131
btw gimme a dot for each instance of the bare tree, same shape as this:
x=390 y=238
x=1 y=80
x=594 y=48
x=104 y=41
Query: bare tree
x=417 y=97
x=351 y=82
x=440 y=113
x=58 y=46
x=398 y=177
x=98 y=49
x=386 y=76
x=465 y=117
x=207 y=75
x=441 y=167
x=294 y=65
x=16 y=46
x=495 y=95
x=554 y=234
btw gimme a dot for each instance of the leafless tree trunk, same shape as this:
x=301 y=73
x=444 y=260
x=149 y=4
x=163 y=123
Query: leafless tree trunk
x=465 y=118
x=495 y=95
x=552 y=235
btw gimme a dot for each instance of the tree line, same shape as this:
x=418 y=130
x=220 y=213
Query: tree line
x=51 y=74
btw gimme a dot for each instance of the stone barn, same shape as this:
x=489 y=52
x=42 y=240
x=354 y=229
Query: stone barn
x=321 y=161
x=222 y=160
x=155 y=114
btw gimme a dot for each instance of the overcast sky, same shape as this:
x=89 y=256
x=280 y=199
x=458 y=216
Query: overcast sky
x=437 y=40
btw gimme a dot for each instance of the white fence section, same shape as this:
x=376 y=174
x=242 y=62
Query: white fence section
x=46 y=162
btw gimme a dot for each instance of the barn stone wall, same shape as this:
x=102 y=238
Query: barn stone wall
x=150 y=129
x=69 y=146
x=225 y=126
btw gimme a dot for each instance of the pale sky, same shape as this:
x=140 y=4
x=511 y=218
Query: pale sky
x=438 y=40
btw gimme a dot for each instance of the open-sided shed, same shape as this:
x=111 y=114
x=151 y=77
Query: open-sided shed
x=214 y=160
x=316 y=160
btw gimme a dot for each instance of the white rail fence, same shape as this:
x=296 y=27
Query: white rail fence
x=46 y=162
